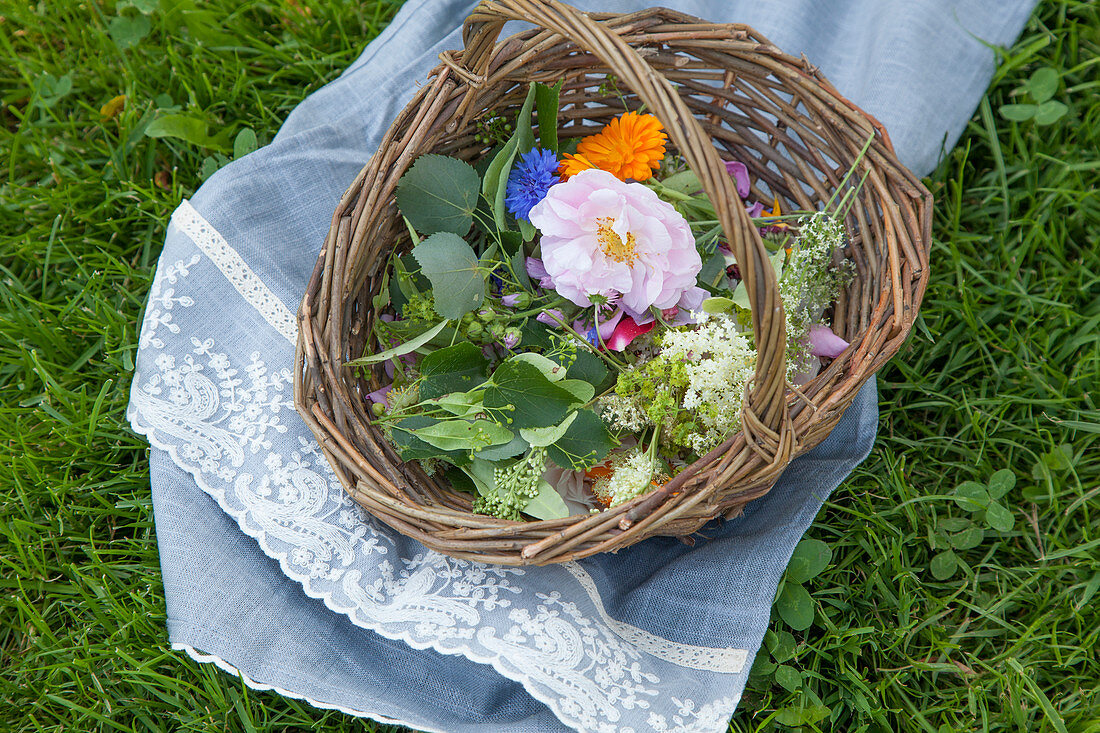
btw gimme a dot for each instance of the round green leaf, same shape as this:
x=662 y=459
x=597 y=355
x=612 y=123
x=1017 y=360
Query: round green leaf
x=971 y=495
x=1043 y=84
x=1001 y=483
x=968 y=538
x=809 y=559
x=455 y=368
x=795 y=606
x=788 y=677
x=439 y=194
x=244 y=143
x=783 y=647
x=943 y=565
x=1018 y=112
x=999 y=518
x=1050 y=112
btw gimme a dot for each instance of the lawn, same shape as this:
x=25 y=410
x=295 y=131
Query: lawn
x=964 y=583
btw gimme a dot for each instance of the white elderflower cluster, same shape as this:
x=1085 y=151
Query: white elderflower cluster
x=720 y=361
x=809 y=284
x=631 y=476
x=622 y=413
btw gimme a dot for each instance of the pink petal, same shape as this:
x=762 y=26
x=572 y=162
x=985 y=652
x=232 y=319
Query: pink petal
x=607 y=327
x=823 y=342
x=627 y=330
x=379 y=395
x=740 y=174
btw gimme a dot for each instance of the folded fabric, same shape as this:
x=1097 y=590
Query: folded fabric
x=270 y=570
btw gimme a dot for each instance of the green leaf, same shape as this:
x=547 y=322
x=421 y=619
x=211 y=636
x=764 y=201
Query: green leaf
x=525 y=135
x=455 y=368
x=585 y=443
x=128 y=31
x=519 y=395
x=439 y=194
x=1043 y=84
x=542 y=437
x=462 y=435
x=186 y=128
x=718 y=304
x=795 y=606
x=968 y=538
x=495 y=182
x=788 y=678
x=809 y=559
x=244 y=143
x=145 y=7
x=582 y=391
x=794 y=716
x=741 y=296
x=999 y=518
x=782 y=649
x=483 y=474
x=971 y=495
x=1050 y=112
x=944 y=565
x=50 y=89
x=519 y=267
x=552 y=370
x=547 y=504
x=546 y=102
x=762 y=666
x=588 y=367
x=454 y=271
x=460 y=404
x=954 y=524
x=714 y=269
x=1018 y=112
x=686 y=182
x=401 y=349
x=527 y=229
x=1001 y=482
x=413 y=448
x=516 y=446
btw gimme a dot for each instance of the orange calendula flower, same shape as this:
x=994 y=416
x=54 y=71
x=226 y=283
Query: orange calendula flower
x=574 y=164
x=630 y=146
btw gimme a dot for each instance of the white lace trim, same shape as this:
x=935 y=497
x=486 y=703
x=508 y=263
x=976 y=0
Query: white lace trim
x=722 y=661
x=252 y=684
x=233 y=266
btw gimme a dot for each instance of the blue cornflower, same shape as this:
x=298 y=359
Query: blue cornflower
x=530 y=179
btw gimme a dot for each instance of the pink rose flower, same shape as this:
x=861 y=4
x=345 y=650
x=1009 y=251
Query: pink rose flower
x=601 y=235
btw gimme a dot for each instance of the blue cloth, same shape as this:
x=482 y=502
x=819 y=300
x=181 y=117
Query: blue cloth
x=270 y=570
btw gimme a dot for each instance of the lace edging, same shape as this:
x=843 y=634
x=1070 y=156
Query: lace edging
x=230 y=263
x=203 y=658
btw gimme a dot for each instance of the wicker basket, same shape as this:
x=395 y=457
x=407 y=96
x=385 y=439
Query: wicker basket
x=722 y=91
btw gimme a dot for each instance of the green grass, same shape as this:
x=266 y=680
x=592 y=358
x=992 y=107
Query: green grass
x=1003 y=372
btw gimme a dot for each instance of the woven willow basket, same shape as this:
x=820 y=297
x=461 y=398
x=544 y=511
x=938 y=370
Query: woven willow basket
x=722 y=92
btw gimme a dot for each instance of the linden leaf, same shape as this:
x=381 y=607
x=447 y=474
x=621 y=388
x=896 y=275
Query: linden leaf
x=585 y=443
x=455 y=368
x=521 y=396
x=439 y=194
x=453 y=269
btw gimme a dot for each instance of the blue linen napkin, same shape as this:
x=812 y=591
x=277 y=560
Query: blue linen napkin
x=270 y=571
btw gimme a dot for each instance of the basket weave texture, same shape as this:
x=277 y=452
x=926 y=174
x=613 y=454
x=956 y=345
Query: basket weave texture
x=722 y=91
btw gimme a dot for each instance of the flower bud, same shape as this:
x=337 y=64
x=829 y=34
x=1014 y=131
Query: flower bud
x=511 y=338
x=487 y=314
x=474 y=330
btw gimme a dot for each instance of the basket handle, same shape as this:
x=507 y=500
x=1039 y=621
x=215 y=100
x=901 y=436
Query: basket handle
x=765 y=404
